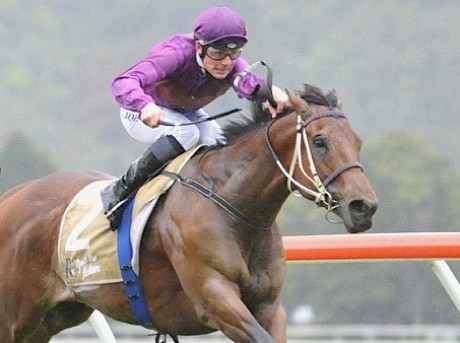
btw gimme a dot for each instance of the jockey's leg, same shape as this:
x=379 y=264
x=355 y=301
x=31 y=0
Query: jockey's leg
x=210 y=131
x=146 y=166
x=166 y=142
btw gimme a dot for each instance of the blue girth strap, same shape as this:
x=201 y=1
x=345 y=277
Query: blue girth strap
x=131 y=280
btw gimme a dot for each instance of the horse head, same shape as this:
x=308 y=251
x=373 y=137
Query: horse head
x=326 y=165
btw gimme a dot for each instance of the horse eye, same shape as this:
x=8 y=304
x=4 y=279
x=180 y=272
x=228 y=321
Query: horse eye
x=320 y=142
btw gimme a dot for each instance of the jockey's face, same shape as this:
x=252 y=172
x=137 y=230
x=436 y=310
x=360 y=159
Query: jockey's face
x=221 y=67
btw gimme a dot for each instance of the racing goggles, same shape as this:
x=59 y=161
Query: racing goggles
x=218 y=54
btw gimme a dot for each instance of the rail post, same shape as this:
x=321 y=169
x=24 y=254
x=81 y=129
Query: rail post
x=448 y=280
x=102 y=328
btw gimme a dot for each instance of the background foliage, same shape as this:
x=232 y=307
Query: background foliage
x=395 y=64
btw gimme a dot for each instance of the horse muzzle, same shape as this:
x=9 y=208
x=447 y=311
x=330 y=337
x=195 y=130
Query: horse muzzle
x=357 y=214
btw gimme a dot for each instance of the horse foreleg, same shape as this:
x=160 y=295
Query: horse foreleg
x=273 y=318
x=219 y=305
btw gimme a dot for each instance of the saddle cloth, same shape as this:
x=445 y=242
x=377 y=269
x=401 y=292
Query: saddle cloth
x=87 y=248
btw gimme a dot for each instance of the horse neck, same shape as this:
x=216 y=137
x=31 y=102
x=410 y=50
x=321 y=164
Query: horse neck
x=247 y=175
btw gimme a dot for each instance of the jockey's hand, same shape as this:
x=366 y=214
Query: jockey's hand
x=281 y=99
x=151 y=114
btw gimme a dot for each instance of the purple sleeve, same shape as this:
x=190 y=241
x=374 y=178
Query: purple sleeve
x=128 y=88
x=247 y=84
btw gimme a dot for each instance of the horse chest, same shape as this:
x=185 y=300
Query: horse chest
x=264 y=272
x=263 y=281
x=260 y=282
x=260 y=288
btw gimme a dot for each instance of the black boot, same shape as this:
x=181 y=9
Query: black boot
x=146 y=166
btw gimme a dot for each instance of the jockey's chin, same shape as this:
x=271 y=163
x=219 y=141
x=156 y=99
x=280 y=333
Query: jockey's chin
x=219 y=73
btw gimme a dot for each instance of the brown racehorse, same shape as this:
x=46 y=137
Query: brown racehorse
x=202 y=267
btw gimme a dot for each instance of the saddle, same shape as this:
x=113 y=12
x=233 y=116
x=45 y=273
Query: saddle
x=87 y=248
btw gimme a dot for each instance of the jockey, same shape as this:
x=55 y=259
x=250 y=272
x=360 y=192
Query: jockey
x=178 y=77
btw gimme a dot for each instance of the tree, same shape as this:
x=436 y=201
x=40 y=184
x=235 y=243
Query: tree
x=417 y=186
x=21 y=162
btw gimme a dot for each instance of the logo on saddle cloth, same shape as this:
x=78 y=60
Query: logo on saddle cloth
x=87 y=248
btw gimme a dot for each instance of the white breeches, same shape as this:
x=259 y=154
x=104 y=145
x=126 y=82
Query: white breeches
x=189 y=136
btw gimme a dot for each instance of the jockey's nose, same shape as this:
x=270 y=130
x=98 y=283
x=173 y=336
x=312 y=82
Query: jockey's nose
x=227 y=60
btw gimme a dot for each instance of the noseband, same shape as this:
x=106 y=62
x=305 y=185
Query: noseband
x=321 y=195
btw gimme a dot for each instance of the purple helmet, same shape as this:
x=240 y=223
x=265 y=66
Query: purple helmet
x=218 y=24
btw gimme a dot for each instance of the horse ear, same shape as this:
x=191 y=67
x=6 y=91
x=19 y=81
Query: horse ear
x=300 y=105
x=339 y=105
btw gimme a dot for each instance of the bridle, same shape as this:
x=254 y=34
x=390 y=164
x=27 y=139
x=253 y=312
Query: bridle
x=321 y=196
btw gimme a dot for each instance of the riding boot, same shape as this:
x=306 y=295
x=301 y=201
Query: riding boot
x=146 y=166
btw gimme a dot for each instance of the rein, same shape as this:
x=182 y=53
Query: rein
x=321 y=196
x=217 y=116
x=219 y=200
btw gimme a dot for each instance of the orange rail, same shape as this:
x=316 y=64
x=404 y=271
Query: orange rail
x=391 y=246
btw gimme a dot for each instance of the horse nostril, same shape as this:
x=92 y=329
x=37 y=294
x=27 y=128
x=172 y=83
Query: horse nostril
x=363 y=207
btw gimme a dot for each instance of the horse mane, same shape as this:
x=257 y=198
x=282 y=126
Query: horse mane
x=259 y=116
